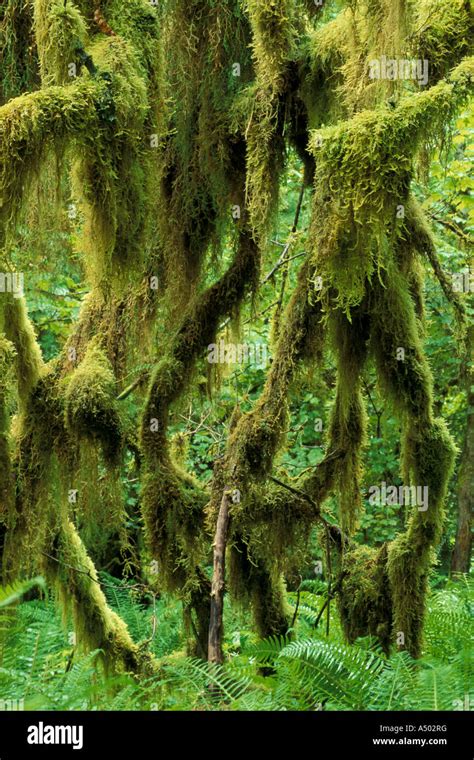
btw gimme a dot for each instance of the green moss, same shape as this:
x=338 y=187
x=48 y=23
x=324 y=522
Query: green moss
x=258 y=435
x=444 y=32
x=173 y=512
x=428 y=459
x=28 y=360
x=273 y=37
x=364 y=169
x=7 y=357
x=60 y=31
x=197 y=331
x=166 y=139
x=33 y=123
x=41 y=487
x=402 y=370
x=113 y=169
x=202 y=162
x=90 y=408
x=258 y=581
x=383 y=592
x=96 y=625
x=365 y=601
x=348 y=422
x=273 y=30
x=17 y=49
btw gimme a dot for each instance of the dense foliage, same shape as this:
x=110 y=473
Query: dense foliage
x=244 y=320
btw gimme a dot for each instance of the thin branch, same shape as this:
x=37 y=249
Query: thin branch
x=135 y=586
x=443 y=280
x=331 y=527
x=138 y=381
x=452 y=227
x=295 y=614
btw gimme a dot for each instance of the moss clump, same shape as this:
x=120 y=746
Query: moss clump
x=113 y=169
x=358 y=189
x=404 y=377
x=428 y=461
x=33 y=123
x=28 y=360
x=273 y=30
x=173 y=511
x=7 y=357
x=365 y=601
x=96 y=625
x=444 y=33
x=60 y=31
x=257 y=581
x=90 y=408
x=17 y=50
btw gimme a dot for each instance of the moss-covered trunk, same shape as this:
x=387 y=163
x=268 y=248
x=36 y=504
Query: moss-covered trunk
x=462 y=552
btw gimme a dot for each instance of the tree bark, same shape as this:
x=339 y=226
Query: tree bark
x=216 y=626
x=461 y=559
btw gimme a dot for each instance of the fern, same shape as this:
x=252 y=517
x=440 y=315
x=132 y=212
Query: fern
x=40 y=665
x=333 y=673
x=16 y=591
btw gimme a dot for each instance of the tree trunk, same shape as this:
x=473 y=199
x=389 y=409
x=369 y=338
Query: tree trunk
x=216 y=626
x=461 y=559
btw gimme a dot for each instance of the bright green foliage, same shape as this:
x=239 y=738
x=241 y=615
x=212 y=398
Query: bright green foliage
x=168 y=131
x=46 y=670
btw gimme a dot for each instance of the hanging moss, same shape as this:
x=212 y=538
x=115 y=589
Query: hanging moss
x=258 y=435
x=365 y=601
x=403 y=373
x=112 y=170
x=41 y=489
x=258 y=582
x=101 y=500
x=7 y=357
x=90 y=408
x=429 y=458
x=273 y=29
x=201 y=161
x=33 y=123
x=28 y=360
x=271 y=613
x=418 y=243
x=348 y=423
x=96 y=625
x=273 y=38
x=197 y=616
x=357 y=190
x=17 y=49
x=443 y=34
x=172 y=506
x=60 y=31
